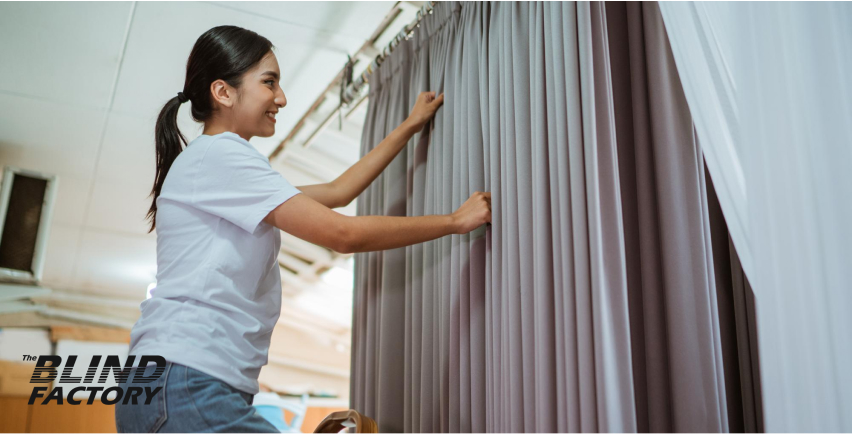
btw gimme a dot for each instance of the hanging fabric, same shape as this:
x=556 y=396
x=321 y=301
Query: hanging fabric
x=589 y=304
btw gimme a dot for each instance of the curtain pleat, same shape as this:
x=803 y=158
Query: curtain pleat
x=589 y=303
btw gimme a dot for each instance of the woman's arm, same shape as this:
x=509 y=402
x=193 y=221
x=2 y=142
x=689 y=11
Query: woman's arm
x=326 y=194
x=305 y=218
x=355 y=180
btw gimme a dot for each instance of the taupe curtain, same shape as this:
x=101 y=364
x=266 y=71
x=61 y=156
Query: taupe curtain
x=738 y=322
x=590 y=302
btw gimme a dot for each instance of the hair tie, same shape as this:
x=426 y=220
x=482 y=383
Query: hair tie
x=182 y=97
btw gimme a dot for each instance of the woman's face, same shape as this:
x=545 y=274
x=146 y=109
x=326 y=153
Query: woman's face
x=260 y=99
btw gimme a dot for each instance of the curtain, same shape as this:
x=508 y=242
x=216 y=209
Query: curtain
x=589 y=303
x=738 y=322
x=768 y=86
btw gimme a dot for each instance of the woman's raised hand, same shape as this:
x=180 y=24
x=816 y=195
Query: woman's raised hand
x=475 y=212
x=424 y=108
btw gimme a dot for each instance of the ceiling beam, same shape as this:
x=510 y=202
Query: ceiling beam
x=10 y=292
x=95 y=300
x=308 y=366
x=86 y=317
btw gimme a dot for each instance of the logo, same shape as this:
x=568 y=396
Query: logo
x=46 y=372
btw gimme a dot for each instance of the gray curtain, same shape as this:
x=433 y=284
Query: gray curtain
x=738 y=321
x=589 y=303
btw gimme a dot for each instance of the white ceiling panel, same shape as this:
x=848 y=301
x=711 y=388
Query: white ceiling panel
x=61 y=51
x=128 y=151
x=59 y=259
x=70 y=205
x=43 y=136
x=115 y=264
x=120 y=207
x=357 y=19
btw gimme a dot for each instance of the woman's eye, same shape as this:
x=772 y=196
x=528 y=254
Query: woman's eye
x=270 y=81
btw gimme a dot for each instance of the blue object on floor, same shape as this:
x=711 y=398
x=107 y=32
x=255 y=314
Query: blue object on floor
x=274 y=415
x=271 y=406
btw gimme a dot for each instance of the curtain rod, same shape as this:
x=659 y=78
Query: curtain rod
x=354 y=89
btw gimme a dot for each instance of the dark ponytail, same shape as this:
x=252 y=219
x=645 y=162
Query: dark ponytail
x=221 y=53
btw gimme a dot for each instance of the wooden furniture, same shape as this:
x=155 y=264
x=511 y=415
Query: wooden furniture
x=17 y=416
x=315 y=415
x=339 y=420
x=89 y=333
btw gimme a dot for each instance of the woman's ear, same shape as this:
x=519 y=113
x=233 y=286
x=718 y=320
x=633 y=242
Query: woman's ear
x=223 y=93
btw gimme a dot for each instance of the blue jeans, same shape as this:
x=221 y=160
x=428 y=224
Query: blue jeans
x=189 y=401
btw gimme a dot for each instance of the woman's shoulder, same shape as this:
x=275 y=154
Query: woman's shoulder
x=226 y=146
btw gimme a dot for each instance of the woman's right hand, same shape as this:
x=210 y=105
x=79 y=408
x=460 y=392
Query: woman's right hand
x=475 y=212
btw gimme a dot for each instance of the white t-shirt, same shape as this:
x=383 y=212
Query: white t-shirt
x=218 y=293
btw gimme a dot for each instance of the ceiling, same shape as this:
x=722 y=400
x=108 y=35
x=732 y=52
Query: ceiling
x=81 y=84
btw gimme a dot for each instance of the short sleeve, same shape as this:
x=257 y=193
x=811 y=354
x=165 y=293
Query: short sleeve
x=236 y=183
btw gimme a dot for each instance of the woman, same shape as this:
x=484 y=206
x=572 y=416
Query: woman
x=217 y=208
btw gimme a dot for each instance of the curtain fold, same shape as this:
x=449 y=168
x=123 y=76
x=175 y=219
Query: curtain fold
x=589 y=303
x=768 y=84
x=738 y=324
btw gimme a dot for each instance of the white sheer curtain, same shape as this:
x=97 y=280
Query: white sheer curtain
x=769 y=89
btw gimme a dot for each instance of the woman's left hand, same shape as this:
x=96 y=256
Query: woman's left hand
x=424 y=108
